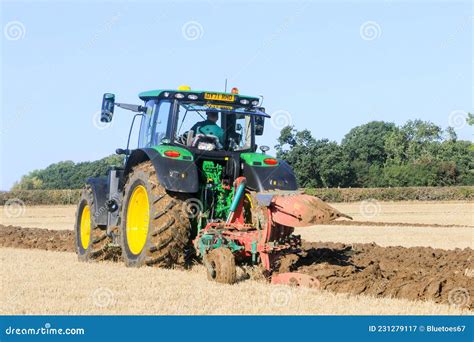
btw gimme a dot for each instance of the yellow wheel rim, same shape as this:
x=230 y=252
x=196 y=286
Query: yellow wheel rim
x=249 y=199
x=85 y=227
x=138 y=219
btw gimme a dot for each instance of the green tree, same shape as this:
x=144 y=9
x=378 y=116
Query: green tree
x=317 y=163
x=470 y=119
x=66 y=174
x=417 y=154
x=365 y=148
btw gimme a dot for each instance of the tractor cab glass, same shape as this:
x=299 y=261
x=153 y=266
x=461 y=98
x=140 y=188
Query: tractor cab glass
x=259 y=124
x=200 y=125
x=154 y=126
x=214 y=127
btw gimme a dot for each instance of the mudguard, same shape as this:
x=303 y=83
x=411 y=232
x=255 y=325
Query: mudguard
x=100 y=189
x=263 y=178
x=173 y=175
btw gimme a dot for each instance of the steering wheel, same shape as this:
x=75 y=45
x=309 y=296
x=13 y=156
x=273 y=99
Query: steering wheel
x=183 y=138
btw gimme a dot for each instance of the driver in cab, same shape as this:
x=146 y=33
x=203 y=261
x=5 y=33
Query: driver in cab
x=209 y=126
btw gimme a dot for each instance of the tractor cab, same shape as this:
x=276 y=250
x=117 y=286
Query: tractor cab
x=200 y=120
x=187 y=133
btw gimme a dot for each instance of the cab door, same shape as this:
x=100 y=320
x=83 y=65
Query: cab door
x=154 y=125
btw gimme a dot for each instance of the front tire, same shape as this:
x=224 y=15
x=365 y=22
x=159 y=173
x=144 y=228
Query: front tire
x=91 y=240
x=155 y=229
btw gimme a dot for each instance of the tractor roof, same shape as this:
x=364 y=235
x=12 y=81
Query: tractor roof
x=150 y=94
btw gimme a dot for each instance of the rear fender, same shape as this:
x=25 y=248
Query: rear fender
x=263 y=178
x=173 y=175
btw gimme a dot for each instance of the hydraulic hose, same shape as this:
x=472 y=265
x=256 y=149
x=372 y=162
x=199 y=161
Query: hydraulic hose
x=237 y=198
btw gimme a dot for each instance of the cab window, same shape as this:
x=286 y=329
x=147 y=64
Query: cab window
x=154 y=124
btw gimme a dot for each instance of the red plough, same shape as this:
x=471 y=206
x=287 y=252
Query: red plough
x=259 y=230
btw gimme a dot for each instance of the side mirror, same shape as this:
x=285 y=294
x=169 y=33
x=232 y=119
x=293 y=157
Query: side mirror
x=120 y=151
x=108 y=103
x=259 y=124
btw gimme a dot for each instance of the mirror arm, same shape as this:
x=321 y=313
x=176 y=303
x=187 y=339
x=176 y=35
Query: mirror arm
x=132 y=107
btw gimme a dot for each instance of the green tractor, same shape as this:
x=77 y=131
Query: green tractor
x=195 y=185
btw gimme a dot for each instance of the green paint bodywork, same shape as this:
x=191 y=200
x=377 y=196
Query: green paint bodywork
x=155 y=93
x=212 y=172
x=208 y=242
x=256 y=159
x=185 y=154
x=254 y=251
x=223 y=198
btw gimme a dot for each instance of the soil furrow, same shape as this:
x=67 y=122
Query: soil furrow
x=416 y=273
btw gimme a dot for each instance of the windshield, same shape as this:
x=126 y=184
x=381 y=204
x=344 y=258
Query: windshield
x=214 y=127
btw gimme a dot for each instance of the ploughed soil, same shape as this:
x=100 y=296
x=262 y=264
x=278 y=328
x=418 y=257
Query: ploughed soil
x=50 y=240
x=393 y=224
x=416 y=273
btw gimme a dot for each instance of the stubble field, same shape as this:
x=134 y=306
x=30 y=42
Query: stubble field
x=395 y=258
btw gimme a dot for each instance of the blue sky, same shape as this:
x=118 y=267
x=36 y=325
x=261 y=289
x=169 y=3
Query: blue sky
x=324 y=66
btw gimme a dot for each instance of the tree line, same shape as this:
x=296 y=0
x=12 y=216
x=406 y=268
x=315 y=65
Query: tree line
x=380 y=154
x=66 y=174
x=377 y=154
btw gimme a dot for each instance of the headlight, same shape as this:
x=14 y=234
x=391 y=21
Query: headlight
x=244 y=102
x=254 y=102
x=179 y=96
x=192 y=97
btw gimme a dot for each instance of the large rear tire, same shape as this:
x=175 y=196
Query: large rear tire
x=91 y=240
x=155 y=229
